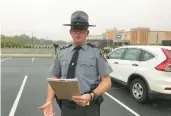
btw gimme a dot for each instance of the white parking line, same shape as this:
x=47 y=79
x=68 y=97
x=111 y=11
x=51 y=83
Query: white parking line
x=32 y=59
x=13 y=109
x=5 y=59
x=123 y=105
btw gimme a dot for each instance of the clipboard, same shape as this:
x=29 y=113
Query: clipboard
x=65 y=88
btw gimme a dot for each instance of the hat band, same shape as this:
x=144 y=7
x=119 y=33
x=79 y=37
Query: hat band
x=80 y=23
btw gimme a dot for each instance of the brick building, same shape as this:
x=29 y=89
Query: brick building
x=141 y=36
x=134 y=36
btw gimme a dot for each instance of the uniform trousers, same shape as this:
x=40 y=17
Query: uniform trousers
x=70 y=108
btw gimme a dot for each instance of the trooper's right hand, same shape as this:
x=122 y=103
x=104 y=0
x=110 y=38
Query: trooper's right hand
x=48 y=109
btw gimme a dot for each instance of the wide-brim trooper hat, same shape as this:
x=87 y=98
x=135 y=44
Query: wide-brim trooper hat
x=79 y=18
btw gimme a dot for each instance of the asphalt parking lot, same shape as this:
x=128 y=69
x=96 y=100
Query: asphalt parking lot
x=24 y=87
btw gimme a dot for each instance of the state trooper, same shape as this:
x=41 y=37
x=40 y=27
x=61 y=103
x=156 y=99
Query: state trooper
x=85 y=62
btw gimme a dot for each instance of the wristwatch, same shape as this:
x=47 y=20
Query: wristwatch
x=95 y=96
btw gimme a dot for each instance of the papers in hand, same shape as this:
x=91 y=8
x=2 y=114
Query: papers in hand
x=66 y=80
x=65 y=88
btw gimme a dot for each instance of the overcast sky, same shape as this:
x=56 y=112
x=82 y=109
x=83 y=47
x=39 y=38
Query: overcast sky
x=45 y=17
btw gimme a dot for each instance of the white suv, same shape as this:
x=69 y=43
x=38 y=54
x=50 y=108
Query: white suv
x=145 y=70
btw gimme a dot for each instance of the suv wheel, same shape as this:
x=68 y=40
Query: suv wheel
x=138 y=90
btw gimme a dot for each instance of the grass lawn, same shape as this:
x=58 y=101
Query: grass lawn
x=28 y=48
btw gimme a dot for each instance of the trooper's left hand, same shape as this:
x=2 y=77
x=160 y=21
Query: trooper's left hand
x=82 y=100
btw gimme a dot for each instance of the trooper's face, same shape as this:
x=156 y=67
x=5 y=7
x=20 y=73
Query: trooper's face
x=79 y=34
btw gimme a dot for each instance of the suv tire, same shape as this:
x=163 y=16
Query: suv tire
x=138 y=90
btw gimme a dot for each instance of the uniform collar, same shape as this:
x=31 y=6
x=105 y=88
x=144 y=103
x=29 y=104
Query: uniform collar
x=84 y=47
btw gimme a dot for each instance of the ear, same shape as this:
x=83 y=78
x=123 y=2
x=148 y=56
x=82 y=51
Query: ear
x=70 y=31
x=87 y=32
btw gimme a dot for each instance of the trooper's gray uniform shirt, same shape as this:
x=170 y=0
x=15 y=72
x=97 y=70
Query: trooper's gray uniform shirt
x=91 y=65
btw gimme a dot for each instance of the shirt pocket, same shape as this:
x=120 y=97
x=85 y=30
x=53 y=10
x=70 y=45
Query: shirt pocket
x=89 y=68
x=64 y=68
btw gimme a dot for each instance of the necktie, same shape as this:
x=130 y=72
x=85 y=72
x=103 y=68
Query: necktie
x=73 y=63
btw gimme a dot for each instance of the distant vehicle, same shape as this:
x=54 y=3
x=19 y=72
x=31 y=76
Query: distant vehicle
x=145 y=70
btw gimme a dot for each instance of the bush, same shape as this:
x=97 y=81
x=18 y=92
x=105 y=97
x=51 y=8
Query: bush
x=107 y=50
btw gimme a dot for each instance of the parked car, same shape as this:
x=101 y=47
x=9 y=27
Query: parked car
x=145 y=70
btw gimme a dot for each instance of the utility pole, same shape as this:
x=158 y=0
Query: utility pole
x=47 y=41
x=3 y=41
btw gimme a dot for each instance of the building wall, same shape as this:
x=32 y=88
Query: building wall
x=111 y=34
x=104 y=35
x=134 y=36
x=142 y=36
x=98 y=37
x=161 y=36
x=139 y=36
x=152 y=38
x=156 y=37
x=125 y=36
x=168 y=35
x=128 y=35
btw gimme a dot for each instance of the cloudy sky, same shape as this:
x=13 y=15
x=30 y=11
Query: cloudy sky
x=45 y=17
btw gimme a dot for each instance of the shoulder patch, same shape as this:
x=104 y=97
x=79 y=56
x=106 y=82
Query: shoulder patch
x=92 y=45
x=67 y=46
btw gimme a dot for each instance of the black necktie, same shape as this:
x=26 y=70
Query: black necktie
x=73 y=63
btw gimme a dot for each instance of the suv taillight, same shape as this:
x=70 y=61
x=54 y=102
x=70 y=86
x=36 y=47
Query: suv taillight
x=165 y=65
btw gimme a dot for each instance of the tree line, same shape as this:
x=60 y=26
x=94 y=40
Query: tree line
x=25 y=41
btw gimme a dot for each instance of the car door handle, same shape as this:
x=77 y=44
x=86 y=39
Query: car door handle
x=115 y=62
x=134 y=64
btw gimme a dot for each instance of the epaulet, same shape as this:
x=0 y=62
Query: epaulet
x=67 y=46
x=92 y=45
x=101 y=51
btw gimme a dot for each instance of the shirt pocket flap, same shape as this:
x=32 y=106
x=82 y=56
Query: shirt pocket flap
x=88 y=62
x=64 y=62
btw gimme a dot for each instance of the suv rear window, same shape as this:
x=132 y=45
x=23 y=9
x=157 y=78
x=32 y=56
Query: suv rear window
x=132 y=54
x=147 y=56
x=117 y=54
